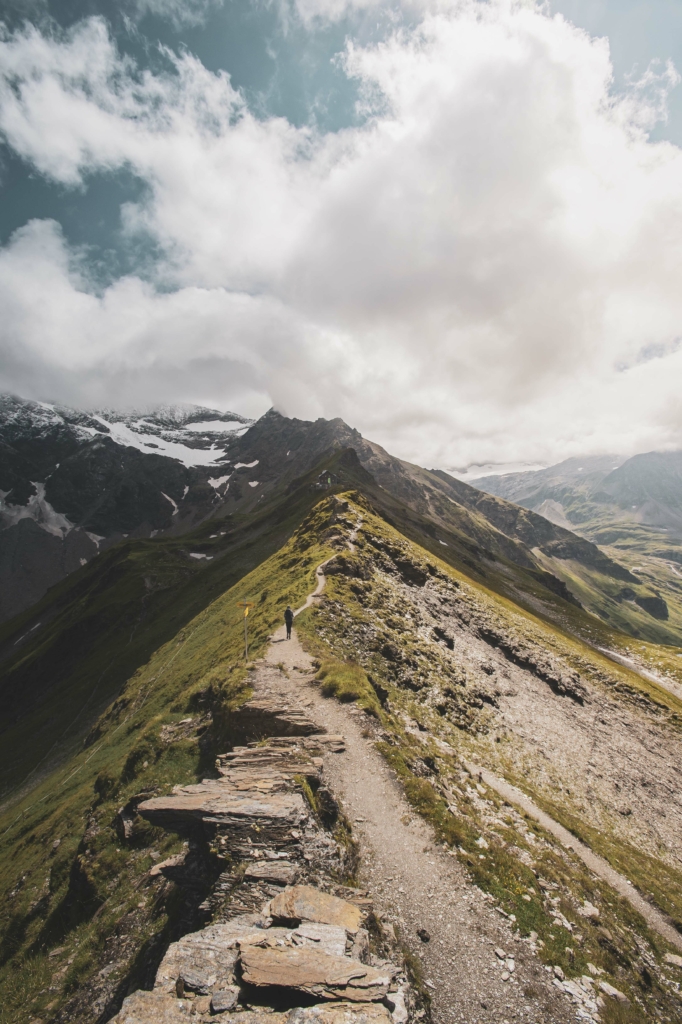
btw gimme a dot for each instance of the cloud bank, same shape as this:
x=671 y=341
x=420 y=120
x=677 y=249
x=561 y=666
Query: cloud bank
x=485 y=270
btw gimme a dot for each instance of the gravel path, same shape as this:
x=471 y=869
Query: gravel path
x=596 y=864
x=414 y=882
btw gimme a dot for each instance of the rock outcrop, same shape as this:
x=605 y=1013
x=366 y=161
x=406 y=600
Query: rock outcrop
x=275 y=947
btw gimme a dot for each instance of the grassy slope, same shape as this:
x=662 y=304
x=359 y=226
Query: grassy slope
x=100 y=624
x=447 y=798
x=92 y=899
x=157 y=645
x=97 y=626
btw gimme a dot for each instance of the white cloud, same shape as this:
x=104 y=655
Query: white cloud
x=464 y=277
x=179 y=12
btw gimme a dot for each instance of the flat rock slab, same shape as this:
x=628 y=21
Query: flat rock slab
x=157 y=1008
x=268 y=766
x=303 y=903
x=317 y=973
x=328 y=937
x=211 y=954
x=215 y=801
x=340 y=1013
x=278 y=872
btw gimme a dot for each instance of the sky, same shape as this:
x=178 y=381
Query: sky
x=457 y=224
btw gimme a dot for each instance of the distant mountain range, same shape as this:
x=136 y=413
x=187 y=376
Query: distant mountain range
x=607 y=498
x=631 y=508
x=74 y=484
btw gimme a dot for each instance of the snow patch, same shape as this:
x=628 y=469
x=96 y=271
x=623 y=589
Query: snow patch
x=197 y=554
x=174 y=504
x=184 y=493
x=154 y=444
x=218 y=481
x=254 y=483
x=246 y=465
x=23 y=637
x=443 y=543
x=38 y=509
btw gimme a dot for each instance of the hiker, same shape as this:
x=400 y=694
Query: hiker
x=289 y=619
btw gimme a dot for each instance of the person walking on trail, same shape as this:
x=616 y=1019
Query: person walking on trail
x=289 y=620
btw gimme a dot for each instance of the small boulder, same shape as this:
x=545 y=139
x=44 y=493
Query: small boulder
x=304 y=903
x=168 y=866
x=614 y=993
x=225 y=1000
x=423 y=934
x=193 y=981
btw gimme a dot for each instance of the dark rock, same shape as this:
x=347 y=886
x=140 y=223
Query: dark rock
x=423 y=934
x=192 y=981
x=443 y=636
x=327 y=807
x=224 y=1000
x=391 y=651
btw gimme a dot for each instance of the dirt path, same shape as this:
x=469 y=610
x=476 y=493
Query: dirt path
x=595 y=863
x=417 y=884
x=653 y=677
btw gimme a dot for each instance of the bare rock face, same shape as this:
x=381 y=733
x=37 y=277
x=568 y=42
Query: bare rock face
x=316 y=973
x=155 y=1008
x=270 y=716
x=273 y=941
x=211 y=954
x=278 y=872
x=328 y=937
x=303 y=903
x=271 y=765
x=217 y=803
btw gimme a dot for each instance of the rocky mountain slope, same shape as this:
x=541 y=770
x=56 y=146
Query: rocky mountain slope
x=128 y=862
x=634 y=502
x=74 y=484
x=631 y=508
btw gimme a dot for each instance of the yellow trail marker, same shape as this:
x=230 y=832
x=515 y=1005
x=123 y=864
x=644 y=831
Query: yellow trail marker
x=246 y=605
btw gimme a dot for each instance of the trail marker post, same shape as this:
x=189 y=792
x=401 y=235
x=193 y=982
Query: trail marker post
x=246 y=605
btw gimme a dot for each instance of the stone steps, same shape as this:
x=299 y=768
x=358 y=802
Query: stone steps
x=275 y=946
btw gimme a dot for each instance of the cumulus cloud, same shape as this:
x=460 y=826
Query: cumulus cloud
x=472 y=274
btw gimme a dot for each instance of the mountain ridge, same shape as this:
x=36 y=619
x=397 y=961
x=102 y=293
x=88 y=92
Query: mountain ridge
x=108 y=491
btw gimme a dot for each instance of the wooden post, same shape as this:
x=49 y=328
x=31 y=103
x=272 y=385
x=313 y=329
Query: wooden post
x=246 y=605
